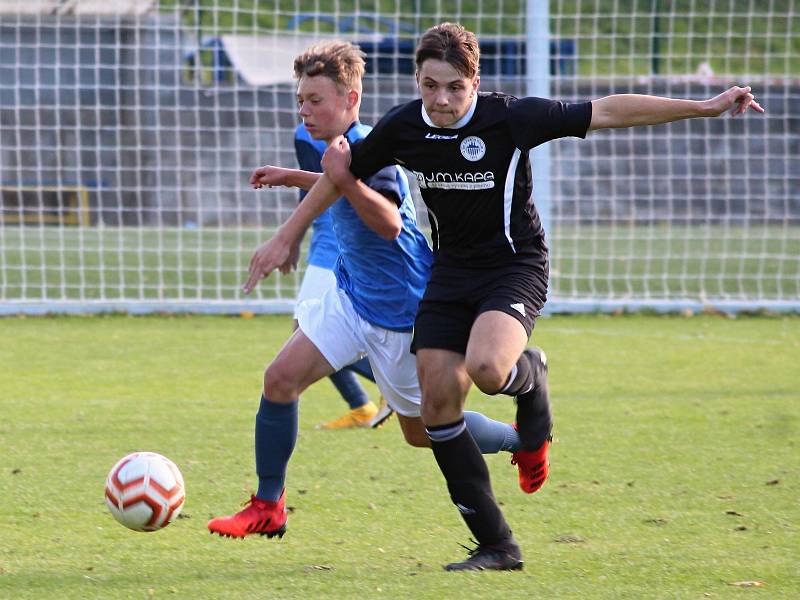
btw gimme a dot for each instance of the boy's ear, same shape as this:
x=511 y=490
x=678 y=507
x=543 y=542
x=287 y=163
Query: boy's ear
x=352 y=98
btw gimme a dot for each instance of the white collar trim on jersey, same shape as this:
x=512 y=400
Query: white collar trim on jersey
x=458 y=124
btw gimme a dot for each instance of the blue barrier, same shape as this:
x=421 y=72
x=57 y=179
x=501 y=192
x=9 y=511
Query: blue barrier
x=393 y=52
x=210 y=60
x=499 y=56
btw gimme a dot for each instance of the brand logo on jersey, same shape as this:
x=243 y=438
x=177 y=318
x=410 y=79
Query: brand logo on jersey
x=473 y=148
x=519 y=307
x=436 y=136
x=455 y=181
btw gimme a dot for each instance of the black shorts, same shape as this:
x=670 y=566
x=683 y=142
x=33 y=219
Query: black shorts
x=455 y=296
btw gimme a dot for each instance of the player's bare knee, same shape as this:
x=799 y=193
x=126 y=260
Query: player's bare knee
x=432 y=410
x=279 y=386
x=487 y=376
x=440 y=409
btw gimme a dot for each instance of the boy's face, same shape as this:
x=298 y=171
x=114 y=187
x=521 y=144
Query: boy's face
x=326 y=111
x=446 y=94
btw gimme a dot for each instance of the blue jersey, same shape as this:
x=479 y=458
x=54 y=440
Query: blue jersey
x=324 y=249
x=383 y=279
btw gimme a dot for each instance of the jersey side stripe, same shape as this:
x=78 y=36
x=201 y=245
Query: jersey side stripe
x=508 y=196
x=435 y=227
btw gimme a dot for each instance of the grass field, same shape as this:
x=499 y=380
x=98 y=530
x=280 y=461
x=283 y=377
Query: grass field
x=657 y=261
x=676 y=467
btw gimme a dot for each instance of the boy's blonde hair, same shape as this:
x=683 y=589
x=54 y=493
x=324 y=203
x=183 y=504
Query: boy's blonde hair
x=342 y=62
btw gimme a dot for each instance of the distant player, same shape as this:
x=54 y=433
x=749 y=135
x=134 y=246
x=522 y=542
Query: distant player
x=319 y=277
x=469 y=153
x=379 y=282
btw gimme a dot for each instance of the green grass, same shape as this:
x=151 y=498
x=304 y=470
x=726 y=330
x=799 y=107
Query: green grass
x=675 y=467
x=150 y=264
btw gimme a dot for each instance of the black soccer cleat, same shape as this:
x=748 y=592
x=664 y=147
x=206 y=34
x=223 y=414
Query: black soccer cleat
x=271 y=534
x=534 y=420
x=505 y=556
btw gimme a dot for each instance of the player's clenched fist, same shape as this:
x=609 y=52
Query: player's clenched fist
x=268 y=176
x=336 y=160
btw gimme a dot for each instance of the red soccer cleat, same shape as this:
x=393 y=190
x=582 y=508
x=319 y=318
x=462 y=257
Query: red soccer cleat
x=533 y=466
x=258 y=516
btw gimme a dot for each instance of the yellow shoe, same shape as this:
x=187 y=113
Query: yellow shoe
x=357 y=417
x=384 y=413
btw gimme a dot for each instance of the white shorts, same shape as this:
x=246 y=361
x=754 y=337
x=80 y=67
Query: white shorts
x=316 y=282
x=343 y=337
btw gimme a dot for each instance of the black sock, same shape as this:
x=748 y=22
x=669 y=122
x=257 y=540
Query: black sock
x=520 y=379
x=534 y=417
x=468 y=482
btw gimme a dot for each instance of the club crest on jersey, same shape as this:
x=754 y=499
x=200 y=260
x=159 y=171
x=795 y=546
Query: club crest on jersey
x=473 y=148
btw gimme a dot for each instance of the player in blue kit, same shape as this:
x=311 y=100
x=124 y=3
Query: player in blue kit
x=381 y=272
x=320 y=277
x=469 y=153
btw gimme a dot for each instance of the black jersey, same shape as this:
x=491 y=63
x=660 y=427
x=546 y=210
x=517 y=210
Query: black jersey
x=476 y=179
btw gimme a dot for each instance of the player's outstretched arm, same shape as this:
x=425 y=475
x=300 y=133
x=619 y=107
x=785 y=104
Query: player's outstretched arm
x=276 y=253
x=272 y=176
x=630 y=110
x=377 y=211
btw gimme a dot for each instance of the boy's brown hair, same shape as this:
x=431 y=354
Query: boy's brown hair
x=453 y=44
x=341 y=62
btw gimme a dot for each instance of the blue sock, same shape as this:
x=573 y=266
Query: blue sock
x=490 y=435
x=276 y=434
x=349 y=387
x=363 y=368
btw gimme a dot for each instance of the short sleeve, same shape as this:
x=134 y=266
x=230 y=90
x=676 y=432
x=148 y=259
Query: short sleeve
x=385 y=182
x=371 y=154
x=534 y=121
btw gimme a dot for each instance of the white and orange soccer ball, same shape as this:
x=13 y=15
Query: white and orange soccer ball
x=145 y=491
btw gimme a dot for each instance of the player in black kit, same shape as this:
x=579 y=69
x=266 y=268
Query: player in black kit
x=469 y=154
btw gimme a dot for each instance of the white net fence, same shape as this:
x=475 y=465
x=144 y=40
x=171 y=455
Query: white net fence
x=128 y=130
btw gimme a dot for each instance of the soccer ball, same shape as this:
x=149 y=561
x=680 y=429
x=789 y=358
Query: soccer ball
x=144 y=491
